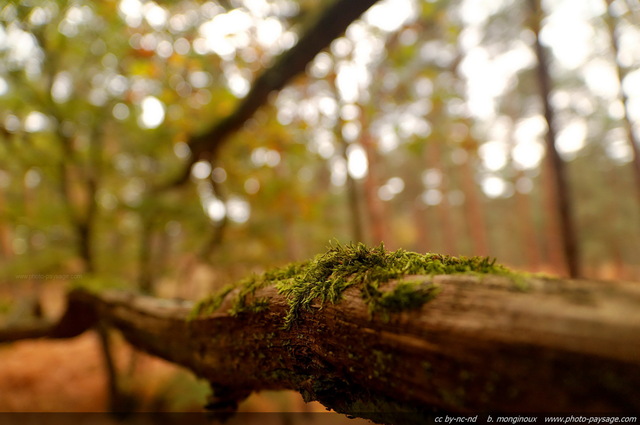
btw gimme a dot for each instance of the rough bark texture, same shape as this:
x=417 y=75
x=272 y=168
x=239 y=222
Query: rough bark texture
x=482 y=345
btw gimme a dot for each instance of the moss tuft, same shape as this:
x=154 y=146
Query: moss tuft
x=406 y=295
x=326 y=277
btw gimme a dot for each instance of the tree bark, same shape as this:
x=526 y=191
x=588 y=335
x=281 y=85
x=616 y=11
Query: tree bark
x=557 y=167
x=622 y=72
x=435 y=158
x=375 y=208
x=482 y=345
x=475 y=208
x=354 y=198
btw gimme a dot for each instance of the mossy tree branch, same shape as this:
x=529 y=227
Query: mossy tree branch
x=481 y=345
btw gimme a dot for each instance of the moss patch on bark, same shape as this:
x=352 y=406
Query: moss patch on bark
x=325 y=278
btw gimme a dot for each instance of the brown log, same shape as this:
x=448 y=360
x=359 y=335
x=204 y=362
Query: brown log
x=483 y=345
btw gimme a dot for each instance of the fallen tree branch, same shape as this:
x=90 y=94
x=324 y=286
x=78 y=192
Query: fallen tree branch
x=481 y=345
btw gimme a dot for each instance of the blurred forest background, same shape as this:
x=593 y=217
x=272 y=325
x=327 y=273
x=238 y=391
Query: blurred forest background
x=424 y=127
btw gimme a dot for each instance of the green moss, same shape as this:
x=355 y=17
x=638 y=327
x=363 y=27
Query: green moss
x=407 y=295
x=258 y=305
x=212 y=303
x=325 y=278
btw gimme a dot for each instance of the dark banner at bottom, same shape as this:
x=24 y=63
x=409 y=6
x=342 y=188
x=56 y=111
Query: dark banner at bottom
x=307 y=418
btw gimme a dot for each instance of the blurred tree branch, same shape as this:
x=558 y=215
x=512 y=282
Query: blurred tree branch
x=330 y=24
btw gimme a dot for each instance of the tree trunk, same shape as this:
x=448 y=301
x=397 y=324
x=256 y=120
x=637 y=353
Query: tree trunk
x=554 y=255
x=435 y=159
x=563 y=207
x=622 y=73
x=376 y=211
x=487 y=344
x=474 y=208
x=145 y=254
x=353 y=194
